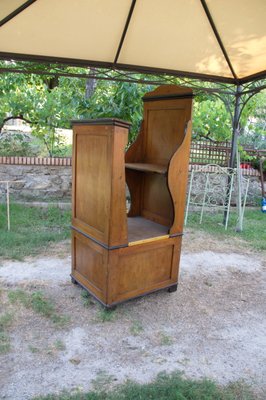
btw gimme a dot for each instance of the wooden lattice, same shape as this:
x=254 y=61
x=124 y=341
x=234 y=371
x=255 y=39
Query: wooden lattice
x=210 y=153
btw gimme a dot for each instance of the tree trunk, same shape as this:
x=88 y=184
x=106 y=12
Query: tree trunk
x=90 y=84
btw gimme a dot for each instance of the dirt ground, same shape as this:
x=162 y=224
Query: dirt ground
x=213 y=326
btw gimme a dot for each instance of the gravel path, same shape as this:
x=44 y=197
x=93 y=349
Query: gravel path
x=213 y=326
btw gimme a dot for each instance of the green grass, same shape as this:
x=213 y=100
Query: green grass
x=59 y=345
x=165 y=340
x=166 y=387
x=136 y=328
x=39 y=303
x=254 y=226
x=32 y=229
x=103 y=381
x=33 y=349
x=19 y=296
x=5 y=322
x=105 y=315
x=4 y=343
x=87 y=299
x=52 y=349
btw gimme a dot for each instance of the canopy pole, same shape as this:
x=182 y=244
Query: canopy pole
x=235 y=126
x=235 y=134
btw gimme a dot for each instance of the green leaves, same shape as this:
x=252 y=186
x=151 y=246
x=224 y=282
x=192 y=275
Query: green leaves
x=211 y=120
x=51 y=102
x=117 y=100
x=47 y=106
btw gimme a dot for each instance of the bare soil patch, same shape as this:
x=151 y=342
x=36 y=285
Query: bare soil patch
x=213 y=326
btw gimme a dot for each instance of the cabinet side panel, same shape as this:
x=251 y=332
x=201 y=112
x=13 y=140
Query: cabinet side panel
x=138 y=270
x=92 y=181
x=177 y=181
x=156 y=200
x=164 y=126
x=164 y=131
x=89 y=265
x=118 y=218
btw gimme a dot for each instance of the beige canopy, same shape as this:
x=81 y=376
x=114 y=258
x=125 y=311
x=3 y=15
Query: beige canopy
x=224 y=40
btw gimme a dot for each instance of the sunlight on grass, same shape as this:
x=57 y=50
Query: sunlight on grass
x=39 y=303
x=136 y=328
x=5 y=322
x=32 y=230
x=254 y=227
x=105 y=315
x=165 y=387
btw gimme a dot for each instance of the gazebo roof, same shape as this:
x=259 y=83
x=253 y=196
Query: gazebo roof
x=221 y=40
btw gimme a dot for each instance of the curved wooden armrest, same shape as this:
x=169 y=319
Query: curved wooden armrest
x=177 y=180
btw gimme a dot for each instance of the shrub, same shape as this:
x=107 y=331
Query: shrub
x=13 y=143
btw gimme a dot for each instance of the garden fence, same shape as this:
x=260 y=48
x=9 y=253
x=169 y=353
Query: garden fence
x=210 y=152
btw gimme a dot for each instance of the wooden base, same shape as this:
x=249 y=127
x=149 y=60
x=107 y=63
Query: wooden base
x=113 y=276
x=106 y=306
x=113 y=307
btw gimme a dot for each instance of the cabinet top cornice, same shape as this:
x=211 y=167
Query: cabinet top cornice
x=102 y=121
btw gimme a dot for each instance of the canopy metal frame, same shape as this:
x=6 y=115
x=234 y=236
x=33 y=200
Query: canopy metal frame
x=235 y=97
x=137 y=69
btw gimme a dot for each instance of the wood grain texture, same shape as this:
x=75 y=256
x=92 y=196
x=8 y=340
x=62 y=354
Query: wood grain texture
x=141 y=269
x=134 y=154
x=156 y=168
x=91 y=183
x=140 y=229
x=177 y=180
x=118 y=215
x=89 y=265
x=122 y=258
x=148 y=240
x=167 y=92
x=134 y=183
x=99 y=198
x=164 y=122
x=166 y=112
x=156 y=202
x=113 y=276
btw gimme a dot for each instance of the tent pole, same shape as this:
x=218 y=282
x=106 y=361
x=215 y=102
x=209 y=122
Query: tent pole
x=235 y=126
x=235 y=133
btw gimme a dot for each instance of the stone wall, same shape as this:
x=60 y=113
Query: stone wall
x=52 y=183
x=39 y=182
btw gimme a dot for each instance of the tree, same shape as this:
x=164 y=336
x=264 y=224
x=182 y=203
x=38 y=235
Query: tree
x=253 y=120
x=48 y=102
x=45 y=102
x=116 y=100
x=211 y=120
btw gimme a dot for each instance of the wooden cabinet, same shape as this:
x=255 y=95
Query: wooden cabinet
x=118 y=256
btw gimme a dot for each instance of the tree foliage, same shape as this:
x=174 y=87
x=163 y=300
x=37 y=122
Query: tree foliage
x=14 y=143
x=253 y=121
x=116 y=100
x=211 y=120
x=41 y=103
x=48 y=102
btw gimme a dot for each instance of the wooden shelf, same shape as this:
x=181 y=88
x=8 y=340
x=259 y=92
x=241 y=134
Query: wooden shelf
x=141 y=229
x=156 y=168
